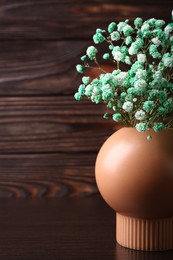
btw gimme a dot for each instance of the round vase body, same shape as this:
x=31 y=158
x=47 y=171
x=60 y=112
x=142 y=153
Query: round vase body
x=135 y=177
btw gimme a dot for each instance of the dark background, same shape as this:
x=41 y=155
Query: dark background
x=48 y=141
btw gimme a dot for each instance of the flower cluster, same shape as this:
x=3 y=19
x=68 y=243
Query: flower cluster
x=139 y=89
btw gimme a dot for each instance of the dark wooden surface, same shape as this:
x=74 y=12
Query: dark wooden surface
x=63 y=229
x=48 y=141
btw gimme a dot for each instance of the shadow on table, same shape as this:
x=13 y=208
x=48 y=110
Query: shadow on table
x=122 y=253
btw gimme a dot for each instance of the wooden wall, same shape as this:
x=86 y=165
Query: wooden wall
x=48 y=141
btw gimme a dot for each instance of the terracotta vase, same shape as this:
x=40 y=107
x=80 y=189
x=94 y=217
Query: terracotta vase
x=135 y=177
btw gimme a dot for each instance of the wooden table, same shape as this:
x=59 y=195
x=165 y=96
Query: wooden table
x=79 y=228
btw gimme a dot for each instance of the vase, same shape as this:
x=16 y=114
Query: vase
x=135 y=178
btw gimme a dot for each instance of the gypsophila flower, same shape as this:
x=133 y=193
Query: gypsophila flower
x=154 y=51
x=79 y=68
x=168 y=62
x=106 y=56
x=85 y=80
x=148 y=105
x=133 y=49
x=141 y=127
x=140 y=115
x=81 y=89
x=145 y=27
x=140 y=84
x=141 y=57
x=117 y=117
x=83 y=58
x=111 y=27
x=127 y=30
x=156 y=41
x=138 y=88
x=149 y=137
x=118 y=56
x=120 y=78
x=120 y=26
x=128 y=106
x=158 y=126
x=91 y=52
x=88 y=90
x=128 y=40
x=106 y=116
x=141 y=74
x=138 y=22
x=77 y=96
x=115 y=36
x=159 y=23
x=128 y=60
x=168 y=29
x=98 y=38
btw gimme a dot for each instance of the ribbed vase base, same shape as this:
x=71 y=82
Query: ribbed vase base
x=144 y=234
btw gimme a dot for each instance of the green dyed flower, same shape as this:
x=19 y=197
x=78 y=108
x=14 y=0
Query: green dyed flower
x=159 y=23
x=115 y=36
x=77 y=96
x=148 y=105
x=117 y=117
x=168 y=62
x=128 y=40
x=106 y=116
x=83 y=58
x=111 y=27
x=79 y=68
x=158 y=126
x=98 y=38
x=127 y=30
x=141 y=57
x=139 y=91
x=85 y=80
x=106 y=56
x=128 y=106
x=140 y=115
x=141 y=127
x=138 y=22
x=81 y=90
x=91 y=52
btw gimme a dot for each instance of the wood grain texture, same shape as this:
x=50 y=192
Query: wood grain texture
x=39 y=68
x=63 y=229
x=47 y=175
x=51 y=124
x=57 y=19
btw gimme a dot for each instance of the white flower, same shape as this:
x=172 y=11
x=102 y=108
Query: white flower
x=168 y=29
x=132 y=50
x=88 y=90
x=127 y=60
x=156 y=41
x=145 y=27
x=91 y=52
x=168 y=62
x=115 y=36
x=140 y=84
x=141 y=58
x=141 y=74
x=118 y=79
x=118 y=56
x=95 y=91
x=141 y=127
x=106 y=87
x=128 y=106
x=140 y=115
